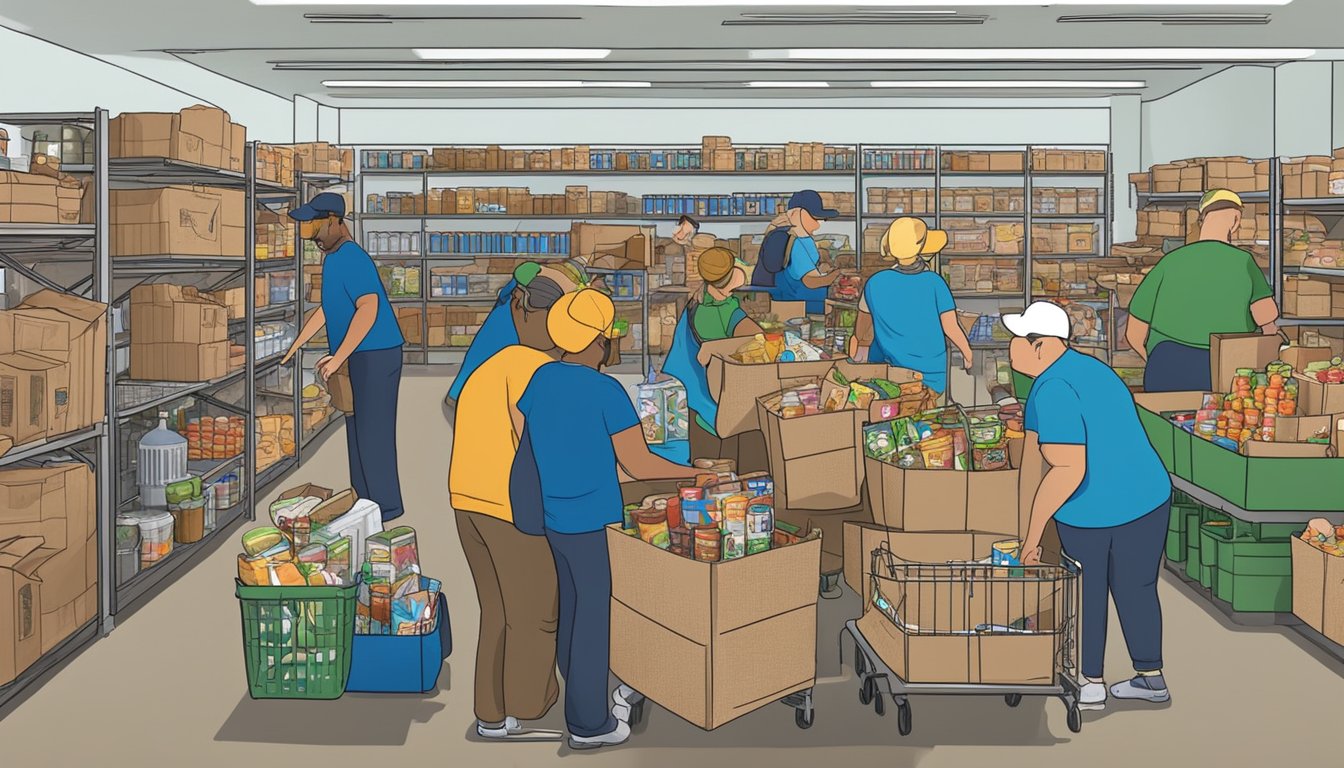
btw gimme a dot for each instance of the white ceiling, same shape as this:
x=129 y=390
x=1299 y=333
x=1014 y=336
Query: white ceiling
x=685 y=51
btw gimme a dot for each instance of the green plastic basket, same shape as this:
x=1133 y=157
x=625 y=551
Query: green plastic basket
x=297 y=640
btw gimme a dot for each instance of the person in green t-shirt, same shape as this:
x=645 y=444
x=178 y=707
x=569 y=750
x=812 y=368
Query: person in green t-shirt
x=716 y=314
x=1200 y=289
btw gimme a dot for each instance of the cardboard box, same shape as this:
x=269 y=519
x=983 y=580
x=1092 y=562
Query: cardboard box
x=713 y=619
x=234 y=300
x=1318 y=589
x=29 y=198
x=163 y=312
x=69 y=329
x=1317 y=399
x=200 y=134
x=816 y=461
x=178 y=221
x=942 y=499
x=34 y=397
x=861 y=538
x=1301 y=357
x=183 y=362
x=20 y=604
x=341 y=391
x=1230 y=351
x=238 y=145
x=612 y=246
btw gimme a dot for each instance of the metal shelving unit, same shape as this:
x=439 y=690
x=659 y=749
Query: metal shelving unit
x=791 y=180
x=71 y=259
x=1331 y=211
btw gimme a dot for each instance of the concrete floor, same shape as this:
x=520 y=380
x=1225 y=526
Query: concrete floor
x=167 y=686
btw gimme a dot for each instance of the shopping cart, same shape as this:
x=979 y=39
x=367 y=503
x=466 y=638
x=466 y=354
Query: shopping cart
x=1018 y=627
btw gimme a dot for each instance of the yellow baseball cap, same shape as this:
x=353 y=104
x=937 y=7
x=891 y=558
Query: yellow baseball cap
x=908 y=238
x=1214 y=196
x=578 y=318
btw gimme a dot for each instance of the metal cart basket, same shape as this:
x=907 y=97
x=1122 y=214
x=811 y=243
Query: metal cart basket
x=967 y=629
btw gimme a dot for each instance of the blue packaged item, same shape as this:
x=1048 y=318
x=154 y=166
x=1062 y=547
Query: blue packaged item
x=401 y=664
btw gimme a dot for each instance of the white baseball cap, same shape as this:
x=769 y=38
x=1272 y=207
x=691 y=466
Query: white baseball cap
x=1042 y=318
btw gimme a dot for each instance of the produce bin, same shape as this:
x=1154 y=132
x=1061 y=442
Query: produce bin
x=297 y=640
x=401 y=664
x=1178 y=532
x=1253 y=574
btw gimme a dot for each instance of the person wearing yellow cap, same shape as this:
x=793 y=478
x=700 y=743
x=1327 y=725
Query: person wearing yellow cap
x=1200 y=289
x=906 y=313
x=579 y=425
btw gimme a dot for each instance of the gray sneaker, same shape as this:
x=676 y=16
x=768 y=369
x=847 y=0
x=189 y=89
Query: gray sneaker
x=1150 y=688
x=617 y=736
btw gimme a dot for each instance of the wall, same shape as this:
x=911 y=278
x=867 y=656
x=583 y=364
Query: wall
x=1304 y=107
x=1126 y=158
x=1338 y=87
x=1230 y=113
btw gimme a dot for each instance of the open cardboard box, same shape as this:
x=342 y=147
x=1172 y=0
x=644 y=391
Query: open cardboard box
x=1318 y=589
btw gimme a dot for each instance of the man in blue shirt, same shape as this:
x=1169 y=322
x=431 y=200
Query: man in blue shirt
x=579 y=426
x=507 y=324
x=802 y=278
x=1107 y=491
x=361 y=331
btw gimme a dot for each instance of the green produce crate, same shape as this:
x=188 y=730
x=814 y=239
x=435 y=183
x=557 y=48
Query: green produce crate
x=1253 y=575
x=1268 y=483
x=1192 y=521
x=1177 y=532
x=297 y=640
x=1211 y=532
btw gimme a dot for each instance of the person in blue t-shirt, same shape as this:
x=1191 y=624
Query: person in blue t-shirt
x=579 y=426
x=362 y=332
x=507 y=324
x=802 y=278
x=906 y=313
x=1107 y=491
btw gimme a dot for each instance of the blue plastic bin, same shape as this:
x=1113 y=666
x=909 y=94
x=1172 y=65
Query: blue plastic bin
x=393 y=664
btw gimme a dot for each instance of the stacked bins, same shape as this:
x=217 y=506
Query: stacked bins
x=1178 y=531
x=1248 y=565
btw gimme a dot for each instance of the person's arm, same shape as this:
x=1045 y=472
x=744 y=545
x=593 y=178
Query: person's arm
x=1265 y=313
x=366 y=312
x=316 y=321
x=952 y=329
x=640 y=463
x=863 y=334
x=1136 y=333
x=744 y=326
x=1068 y=467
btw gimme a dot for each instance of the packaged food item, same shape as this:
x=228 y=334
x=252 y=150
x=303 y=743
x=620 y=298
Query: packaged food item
x=259 y=540
x=792 y=406
x=938 y=451
x=735 y=527
x=760 y=527
x=652 y=525
x=397 y=547
x=681 y=542
x=708 y=543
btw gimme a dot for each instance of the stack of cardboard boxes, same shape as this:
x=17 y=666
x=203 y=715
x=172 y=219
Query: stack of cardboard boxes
x=1068 y=160
x=178 y=334
x=321 y=157
x=48 y=561
x=275 y=163
x=983 y=275
x=34 y=198
x=411 y=322
x=1310 y=296
x=53 y=366
x=1307 y=177
x=200 y=135
x=976 y=200
x=276 y=235
x=903 y=202
x=716 y=153
x=1054 y=200
x=514 y=201
x=1064 y=239
x=984 y=162
x=179 y=221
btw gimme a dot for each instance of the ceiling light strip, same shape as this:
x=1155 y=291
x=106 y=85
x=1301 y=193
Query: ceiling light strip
x=1012 y=84
x=1037 y=54
x=512 y=54
x=484 y=84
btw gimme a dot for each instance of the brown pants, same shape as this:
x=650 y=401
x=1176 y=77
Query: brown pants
x=516 y=586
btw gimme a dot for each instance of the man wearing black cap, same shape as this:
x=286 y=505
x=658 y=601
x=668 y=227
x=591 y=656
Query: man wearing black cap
x=361 y=331
x=802 y=278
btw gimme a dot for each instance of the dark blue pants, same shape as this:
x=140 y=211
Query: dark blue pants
x=1175 y=367
x=583 y=646
x=371 y=431
x=1121 y=562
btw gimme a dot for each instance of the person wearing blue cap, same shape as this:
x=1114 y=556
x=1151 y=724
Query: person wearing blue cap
x=790 y=262
x=362 y=333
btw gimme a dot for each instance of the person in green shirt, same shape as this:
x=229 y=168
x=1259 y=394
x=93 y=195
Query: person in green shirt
x=1200 y=289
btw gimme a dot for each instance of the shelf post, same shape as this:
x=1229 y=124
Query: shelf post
x=249 y=334
x=107 y=444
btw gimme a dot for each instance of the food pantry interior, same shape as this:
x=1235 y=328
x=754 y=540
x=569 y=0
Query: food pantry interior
x=193 y=561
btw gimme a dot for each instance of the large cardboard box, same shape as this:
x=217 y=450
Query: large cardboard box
x=163 y=312
x=164 y=361
x=705 y=640
x=1301 y=357
x=34 y=397
x=20 y=604
x=69 y=329
x=1230 y=351
x=238 y=145
x=1317 y=398
x=612 y=246
x=942 y=499
x=200 y=134
x=935 y=645
x=1318 y=589
x=861 y=538
x=178 y=221
x=29 y=198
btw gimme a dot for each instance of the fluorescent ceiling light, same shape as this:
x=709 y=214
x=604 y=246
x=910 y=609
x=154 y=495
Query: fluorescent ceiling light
x=1015 y=84
x=788 y=84
x=774 y=3
x=512 y=54
x=482 y=84
x=1038 y=54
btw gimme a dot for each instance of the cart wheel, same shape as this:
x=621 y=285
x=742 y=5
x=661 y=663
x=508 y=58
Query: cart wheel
x=879 y=706
x=1013 y=699
x=1075 y=719
x=866 y=691
x=904 y=720
x=860 y=661
x=803 y=719
x=636 y=713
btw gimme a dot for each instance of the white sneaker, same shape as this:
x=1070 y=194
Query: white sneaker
x=1092 y=697
x=621 y=702
x=514 y=731
x=618 y=736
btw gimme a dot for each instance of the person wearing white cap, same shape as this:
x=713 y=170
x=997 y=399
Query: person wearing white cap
x=1106 y=490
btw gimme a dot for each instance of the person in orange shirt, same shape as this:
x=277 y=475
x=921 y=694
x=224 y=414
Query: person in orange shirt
x=514 y=572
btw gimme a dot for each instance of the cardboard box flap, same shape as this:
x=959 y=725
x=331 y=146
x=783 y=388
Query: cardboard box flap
x=25 y=554
x=76 y=307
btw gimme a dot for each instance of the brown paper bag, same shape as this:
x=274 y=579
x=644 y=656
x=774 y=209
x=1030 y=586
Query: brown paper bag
x=1230 y=351
x=342 y=394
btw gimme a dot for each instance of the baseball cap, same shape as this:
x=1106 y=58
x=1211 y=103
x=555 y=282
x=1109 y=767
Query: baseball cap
x=716 y=263
x=1042 y=318
x=539 y=291
x=578 y=318
x=1215 y=196
x=320 y=207
x=809 y=200
x=909 y=238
